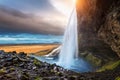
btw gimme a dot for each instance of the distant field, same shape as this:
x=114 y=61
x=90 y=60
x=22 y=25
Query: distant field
x=38 y=49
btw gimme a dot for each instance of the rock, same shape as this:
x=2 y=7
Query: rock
x=9 y=59
x=2 y=71
x=22 y=55
x=110 y=32
x=12 y=68
x=71 y=78
x=2 y=52
x=21 y=65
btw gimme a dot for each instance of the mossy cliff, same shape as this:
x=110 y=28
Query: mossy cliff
x=99 y=30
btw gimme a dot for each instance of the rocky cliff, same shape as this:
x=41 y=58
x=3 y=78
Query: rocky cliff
x=99 y=28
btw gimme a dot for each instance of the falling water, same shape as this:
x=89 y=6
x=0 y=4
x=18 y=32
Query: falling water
x=68 y=57
x=69 y=50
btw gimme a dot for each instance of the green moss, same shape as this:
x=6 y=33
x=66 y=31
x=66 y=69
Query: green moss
x=36 y=62
x=38 y=78
x=2 y=71
x=12 y=69
x=110 y=66
x=57 y=73
x=10 y=76
x=96 y=61
x=52 y=70
x=118 y=78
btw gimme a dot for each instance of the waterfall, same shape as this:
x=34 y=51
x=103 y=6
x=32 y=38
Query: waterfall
x=68 y=56
x=69 y=49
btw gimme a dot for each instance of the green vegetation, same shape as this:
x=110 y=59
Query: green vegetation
x=110 y=66
x=36 y=62
x=38 y=78
x=118 y=78
x=93 y=59
x=2 y=71
x=12 y=69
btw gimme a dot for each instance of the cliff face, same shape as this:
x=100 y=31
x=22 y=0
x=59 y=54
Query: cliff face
x=110 y=31
x=99 y=28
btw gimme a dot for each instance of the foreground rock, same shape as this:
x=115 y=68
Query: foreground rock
x=22 y=67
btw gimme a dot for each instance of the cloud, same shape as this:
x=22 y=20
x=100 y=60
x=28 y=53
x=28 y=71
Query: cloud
x=64 y=6
x=15 y=21
x=28 y=5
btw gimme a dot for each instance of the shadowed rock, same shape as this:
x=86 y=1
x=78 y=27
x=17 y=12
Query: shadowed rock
x=22 y=67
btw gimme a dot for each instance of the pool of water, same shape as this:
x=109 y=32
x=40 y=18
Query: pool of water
x=79 y=65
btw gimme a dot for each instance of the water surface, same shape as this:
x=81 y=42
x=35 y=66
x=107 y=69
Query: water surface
x=79 y=65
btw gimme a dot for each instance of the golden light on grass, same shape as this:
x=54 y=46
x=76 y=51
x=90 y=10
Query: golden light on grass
x=35 y=49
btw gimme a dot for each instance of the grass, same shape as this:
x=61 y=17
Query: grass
x=110 y=66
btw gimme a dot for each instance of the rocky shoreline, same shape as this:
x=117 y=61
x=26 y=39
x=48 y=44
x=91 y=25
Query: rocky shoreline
x=15 y=66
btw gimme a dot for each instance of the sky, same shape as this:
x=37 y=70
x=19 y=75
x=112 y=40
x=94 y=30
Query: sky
x=34 y=16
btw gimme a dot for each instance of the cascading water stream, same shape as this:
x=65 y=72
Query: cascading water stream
x=68 y=57
x=69 y=50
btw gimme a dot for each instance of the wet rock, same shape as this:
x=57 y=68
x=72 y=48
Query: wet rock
x=21 y=65
x=22 y=55
x=2 y=52
x=3 y=71
x=9 y=59
x=110 y=32
x=14 y=67
x=71 y=78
